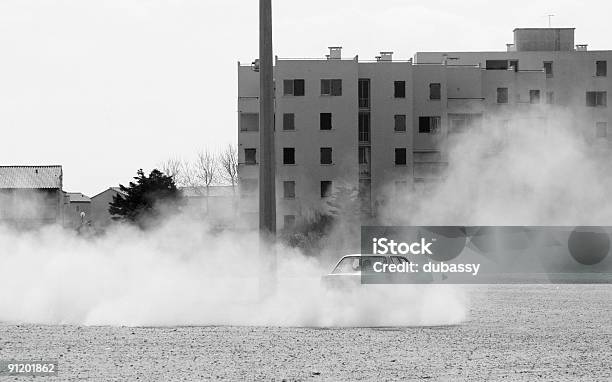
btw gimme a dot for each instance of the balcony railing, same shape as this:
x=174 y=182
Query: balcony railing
x=364 y=103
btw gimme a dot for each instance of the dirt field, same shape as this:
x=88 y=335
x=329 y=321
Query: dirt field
x=514 y=333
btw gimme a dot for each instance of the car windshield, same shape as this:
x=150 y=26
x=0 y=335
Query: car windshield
x=354 y=264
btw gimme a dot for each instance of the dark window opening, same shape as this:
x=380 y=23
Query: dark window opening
x=497 y=64
x=364 y=127
x=534 y=96
x=400 y=122
x=364 y=155
x=249 y=121
x=400 y=157
x=289 y=189
x=326 y=155
x=502 y=95
x=514 y=64
x=294 y=87
x=364 y=93
x=331 y=87
x=250 y=156
x=288 y=121
x=429 y=125
x=326 y=186
x=326 y=121
x=601 y=68
x=594 y=99
x=548 y=68
x=435 y=91
x=400 y=89
x=288 y=155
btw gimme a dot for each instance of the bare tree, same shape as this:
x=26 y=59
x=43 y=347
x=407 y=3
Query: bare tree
x=173 y=167
x=205 y=171
x=228 y=162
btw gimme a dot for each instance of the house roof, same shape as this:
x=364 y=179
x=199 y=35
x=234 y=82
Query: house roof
x=114 y=189
x=77 y=197
x=31 y=177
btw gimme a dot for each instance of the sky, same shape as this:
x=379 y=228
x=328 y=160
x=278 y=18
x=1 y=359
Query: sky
x=107 y=87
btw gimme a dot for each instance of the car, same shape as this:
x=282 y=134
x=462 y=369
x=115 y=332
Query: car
x=352 y=270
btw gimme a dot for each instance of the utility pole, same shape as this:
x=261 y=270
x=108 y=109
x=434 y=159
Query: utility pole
x=550 y=20
x=267 y=167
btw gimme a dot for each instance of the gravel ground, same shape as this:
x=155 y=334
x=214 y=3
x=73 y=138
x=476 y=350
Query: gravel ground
x=514 y=333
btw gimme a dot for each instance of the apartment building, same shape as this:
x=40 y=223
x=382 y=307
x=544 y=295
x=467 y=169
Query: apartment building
x=381 y=126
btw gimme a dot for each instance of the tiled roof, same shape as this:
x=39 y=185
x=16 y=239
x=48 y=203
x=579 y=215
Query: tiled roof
x=77 y=197
x=31 y=177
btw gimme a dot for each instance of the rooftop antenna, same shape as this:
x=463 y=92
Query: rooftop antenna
x=550 y=20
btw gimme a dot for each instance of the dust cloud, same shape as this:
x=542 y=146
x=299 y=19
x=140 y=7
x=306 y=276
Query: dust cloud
x=180 y=273
x=552 y=172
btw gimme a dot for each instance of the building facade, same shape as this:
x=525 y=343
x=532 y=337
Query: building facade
x=77 y=210
x=31 y=196
x=381 y=127
x=100 y=203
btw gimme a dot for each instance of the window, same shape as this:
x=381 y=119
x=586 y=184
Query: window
x=502 y=95
x=534 y=96
x=429 y=125
x=326 y=186
x=331 y=87
x=364 y=127
x=596 y=99
x=514 y=65
x=288 y=121
x=364 y=155
x=288 y=155
x=249 y=121
x=400 y=157
x=548 y=68
x=294 y=87
x=364 y=93
x=326 y=121
x=601 y=68
x=288 y=221
x=601 y=130
x=250 y=156
x=400 y=89
x=326 y=155
x=497 y=64
x=550 y=98
x=400 y=122
x=434 y=91
x=289 y=189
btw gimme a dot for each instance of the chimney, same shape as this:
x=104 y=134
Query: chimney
x=386 y=56
x=582 y=47
x=511 y=47
x=335 y=53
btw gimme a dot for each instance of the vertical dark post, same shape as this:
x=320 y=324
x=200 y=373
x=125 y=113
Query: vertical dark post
x=267 y=194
